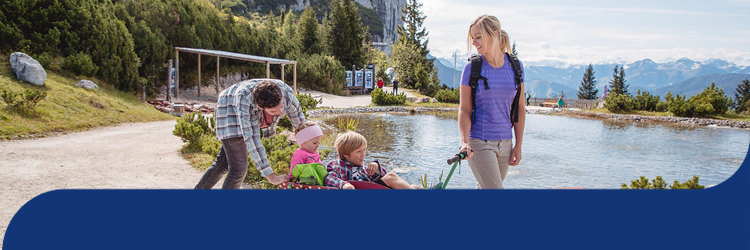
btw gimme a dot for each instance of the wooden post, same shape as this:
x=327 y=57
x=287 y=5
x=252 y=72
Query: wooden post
x=295 y=78
x=169 y=80
x=282 y=72
x=176 y=73
x=199 y=75
x=217 y=76
x=268 y=70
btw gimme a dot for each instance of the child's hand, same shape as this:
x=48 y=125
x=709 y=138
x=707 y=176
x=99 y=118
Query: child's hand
x=373 y=168
x=348 y=186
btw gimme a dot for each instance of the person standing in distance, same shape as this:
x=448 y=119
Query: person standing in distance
x=489 y=136
x=528 y=96
x=246 y=112
x=395 y=86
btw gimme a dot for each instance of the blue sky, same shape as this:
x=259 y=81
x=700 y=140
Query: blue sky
x=582 y=32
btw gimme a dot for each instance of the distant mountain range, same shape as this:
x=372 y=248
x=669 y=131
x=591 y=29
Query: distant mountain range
x=683 y=76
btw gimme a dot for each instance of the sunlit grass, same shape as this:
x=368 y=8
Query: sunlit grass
x=69 y=108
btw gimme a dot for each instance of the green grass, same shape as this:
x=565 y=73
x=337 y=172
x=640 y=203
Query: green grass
x=69 y=108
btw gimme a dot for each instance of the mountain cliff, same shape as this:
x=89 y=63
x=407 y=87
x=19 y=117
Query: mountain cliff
x=383 y=30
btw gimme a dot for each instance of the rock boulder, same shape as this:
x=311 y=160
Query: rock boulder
x=27 y=69
x=87 y=84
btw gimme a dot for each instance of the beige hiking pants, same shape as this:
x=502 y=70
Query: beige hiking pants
x=490 y=162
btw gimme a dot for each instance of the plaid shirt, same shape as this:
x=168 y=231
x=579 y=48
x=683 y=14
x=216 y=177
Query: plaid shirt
x=238 y=116
x=340 y=171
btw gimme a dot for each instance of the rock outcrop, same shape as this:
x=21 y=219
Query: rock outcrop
x=389 y=12
x=87 y=84
x=28 y=69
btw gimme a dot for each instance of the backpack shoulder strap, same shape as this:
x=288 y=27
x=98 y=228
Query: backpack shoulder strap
x=476 y=71
x=476 y=74
x=518 y=71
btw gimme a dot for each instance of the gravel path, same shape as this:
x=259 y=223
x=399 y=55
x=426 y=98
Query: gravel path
x=128 y=156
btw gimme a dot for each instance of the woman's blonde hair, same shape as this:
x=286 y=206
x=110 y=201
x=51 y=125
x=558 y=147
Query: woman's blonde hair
x=348 y=142
x=304 y=125
x=489 y=25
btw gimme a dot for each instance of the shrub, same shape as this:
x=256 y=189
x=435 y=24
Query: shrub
x=23 y=102
x=662 y=106
x=448 y=95
x=192 y=128
x=80 y=64
x=322 y=73
x=679 y=107
x=45 y=59
x=711 y=101
x=619 y=103
x=659 y=183
x=379 y=97
x=306 y=101
x=645 y=101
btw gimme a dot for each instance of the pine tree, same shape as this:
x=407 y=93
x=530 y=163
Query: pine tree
x=308 y=29
x=742 y=97
x=345 y=35
x=623 y=81
x=588 y=90
x=617 y=83
x=515 y=53
x=410 y=50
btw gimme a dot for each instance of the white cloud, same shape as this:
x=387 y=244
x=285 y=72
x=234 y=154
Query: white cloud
x=589 y=33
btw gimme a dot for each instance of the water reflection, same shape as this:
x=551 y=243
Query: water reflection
x=558 y=151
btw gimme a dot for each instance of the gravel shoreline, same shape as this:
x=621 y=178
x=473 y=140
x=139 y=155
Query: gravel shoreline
x=686 y=121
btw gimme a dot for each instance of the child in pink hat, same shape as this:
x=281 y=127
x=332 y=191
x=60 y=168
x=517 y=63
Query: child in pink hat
x=308 y=135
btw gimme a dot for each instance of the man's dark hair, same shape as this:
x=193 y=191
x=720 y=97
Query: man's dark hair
x=267 y=94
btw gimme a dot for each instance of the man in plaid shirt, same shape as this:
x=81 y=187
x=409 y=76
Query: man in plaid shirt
x=245 y=112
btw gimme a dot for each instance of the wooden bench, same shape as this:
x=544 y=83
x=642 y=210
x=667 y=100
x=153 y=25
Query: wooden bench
x=550 y=104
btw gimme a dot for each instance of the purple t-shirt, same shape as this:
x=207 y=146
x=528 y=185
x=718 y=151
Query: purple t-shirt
x=493 y=105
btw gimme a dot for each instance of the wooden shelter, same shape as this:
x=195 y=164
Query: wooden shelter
x=225 y=54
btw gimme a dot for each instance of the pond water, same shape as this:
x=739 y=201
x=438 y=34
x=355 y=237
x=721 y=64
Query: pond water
x=558 y=151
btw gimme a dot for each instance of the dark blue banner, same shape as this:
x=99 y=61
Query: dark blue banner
x=714 y=218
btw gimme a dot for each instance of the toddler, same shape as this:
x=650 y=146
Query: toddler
x=350 y=166
x=308 y=135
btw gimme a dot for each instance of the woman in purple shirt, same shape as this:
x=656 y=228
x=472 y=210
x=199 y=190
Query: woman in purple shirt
x=488 y=139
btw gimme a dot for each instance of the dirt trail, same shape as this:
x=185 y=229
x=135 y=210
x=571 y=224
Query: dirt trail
x=128 y=156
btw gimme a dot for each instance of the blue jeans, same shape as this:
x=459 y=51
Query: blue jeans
x=232 y=158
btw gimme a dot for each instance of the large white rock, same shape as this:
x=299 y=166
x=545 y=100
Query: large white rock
x=27 y=69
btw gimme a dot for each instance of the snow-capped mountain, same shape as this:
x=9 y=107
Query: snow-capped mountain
x=644 y=75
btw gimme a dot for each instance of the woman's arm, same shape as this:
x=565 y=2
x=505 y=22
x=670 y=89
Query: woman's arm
x=515 y=154
x=464 y=118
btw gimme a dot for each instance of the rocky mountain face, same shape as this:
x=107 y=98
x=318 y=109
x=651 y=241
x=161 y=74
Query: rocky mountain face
x=388 y=11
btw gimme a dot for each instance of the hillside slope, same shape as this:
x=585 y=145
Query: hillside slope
x=67 y=107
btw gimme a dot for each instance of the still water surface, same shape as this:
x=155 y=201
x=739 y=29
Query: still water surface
x=558 y=151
